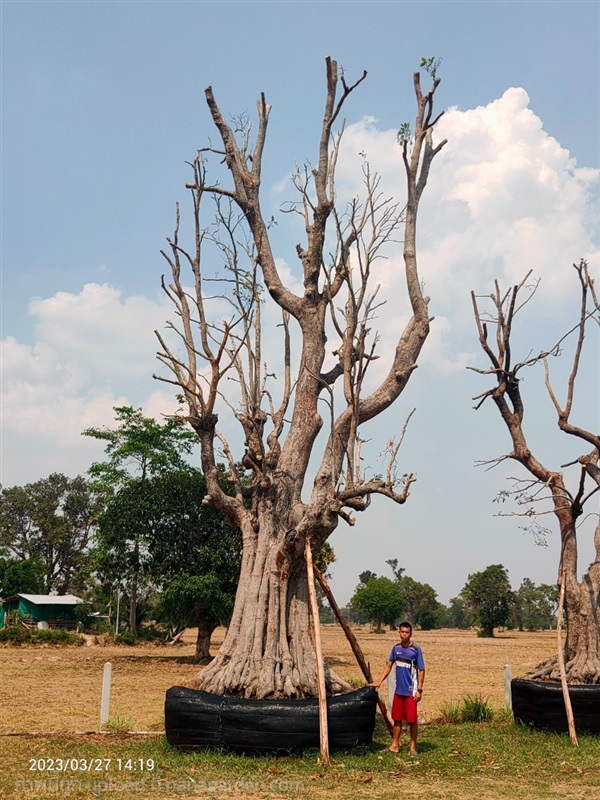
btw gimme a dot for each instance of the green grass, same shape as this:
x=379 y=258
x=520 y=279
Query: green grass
x=484 y=760
x=450 y=712
x=476 y=708
x=33 y=636
x=472 y=708
x=119 y=723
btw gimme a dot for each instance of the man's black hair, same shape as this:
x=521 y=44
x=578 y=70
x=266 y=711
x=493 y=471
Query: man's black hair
x=405 y=625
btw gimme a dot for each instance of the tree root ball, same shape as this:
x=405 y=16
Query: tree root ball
x=541 y=705
x=196 y=720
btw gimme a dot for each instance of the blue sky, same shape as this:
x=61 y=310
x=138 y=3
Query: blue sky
x=102 y=103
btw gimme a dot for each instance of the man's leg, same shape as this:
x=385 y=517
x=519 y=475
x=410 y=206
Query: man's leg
x=414 y=732
x=396 y=731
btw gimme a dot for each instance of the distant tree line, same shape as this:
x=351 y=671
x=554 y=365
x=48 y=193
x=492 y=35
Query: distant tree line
x=486 y=602
x=136 y=541
x=133 y=538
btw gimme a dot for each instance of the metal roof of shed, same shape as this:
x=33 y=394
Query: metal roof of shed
x=50 y=599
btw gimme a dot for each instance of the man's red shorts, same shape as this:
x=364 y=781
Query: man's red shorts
x=404 y=709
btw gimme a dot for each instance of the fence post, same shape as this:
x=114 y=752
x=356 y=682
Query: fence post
x=105 y=704
x=507 y=680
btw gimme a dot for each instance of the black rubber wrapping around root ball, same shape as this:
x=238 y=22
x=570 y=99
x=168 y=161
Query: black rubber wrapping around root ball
x=196 y=720
x=541 y=705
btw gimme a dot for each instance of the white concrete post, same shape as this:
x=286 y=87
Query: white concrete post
x=105 y=705
x=507 y=680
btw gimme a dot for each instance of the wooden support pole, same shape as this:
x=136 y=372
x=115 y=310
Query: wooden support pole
x=561 y=661
x=358 y=653
x=323 y=727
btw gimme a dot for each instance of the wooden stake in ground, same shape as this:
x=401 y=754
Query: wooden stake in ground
x=323 y=728
x=561 y=661
x=358 y=653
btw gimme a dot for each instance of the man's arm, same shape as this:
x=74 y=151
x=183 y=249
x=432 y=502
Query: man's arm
x=384 y=675
x=420 y=681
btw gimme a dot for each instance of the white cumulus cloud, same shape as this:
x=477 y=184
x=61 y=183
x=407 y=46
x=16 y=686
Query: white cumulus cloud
x=503 y=197
x=92 y=351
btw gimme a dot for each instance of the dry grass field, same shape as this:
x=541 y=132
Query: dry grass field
x=55 y=691
x=58 y=688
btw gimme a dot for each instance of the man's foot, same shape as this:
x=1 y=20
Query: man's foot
x=391 y=749
x=413 y=753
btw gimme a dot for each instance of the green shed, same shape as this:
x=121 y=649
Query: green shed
x=56 y=611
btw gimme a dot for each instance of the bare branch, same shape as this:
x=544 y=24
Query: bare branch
x=375 y=486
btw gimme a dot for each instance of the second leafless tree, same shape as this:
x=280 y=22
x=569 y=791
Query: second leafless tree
x=568 y=499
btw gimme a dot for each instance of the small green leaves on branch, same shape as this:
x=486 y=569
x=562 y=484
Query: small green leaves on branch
x=404 y=133
x=430 y=65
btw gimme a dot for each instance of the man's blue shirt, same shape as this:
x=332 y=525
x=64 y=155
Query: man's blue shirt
x=408 y=661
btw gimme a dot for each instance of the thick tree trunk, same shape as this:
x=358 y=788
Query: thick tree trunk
x=582 y=610
x=268 y=650
x=583 y=631
x=582 y=645
x=205 y=631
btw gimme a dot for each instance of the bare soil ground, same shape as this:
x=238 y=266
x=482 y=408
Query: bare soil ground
x=58 y=688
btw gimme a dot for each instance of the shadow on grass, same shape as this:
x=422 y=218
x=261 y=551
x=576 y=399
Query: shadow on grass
x=166 y=659
x=381 y=745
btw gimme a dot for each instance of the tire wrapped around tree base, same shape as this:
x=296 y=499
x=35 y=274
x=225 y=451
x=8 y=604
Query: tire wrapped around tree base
x=541 y=705
x=197 y=720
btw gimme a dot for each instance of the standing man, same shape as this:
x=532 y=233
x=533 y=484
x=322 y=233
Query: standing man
x=410 y=675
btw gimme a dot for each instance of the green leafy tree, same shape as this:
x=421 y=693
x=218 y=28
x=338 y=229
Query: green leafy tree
x=198 y=600
x=420 y=602
x=138 y=449
x=21 y=577
x=534 y=606
x=442 y=617
x=353 y=615
x=193 y=553
x=548 y=604
x=489 y=596
x=380 y=600
x=323 y=560
x=52 y=522
x=458 y=614
x=122 y=559
x=366 y=576
x=397 y=571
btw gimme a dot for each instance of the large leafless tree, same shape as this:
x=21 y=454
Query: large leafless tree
x=268 y=650
x=570 y=497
